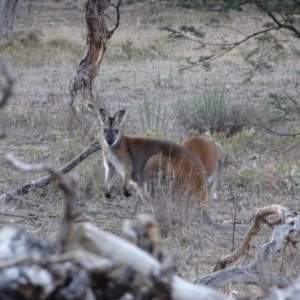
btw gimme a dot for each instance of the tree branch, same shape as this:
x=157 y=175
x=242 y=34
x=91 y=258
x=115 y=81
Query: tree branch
x=257 y=270
x=279 y=210
x=234 y=45
x=272 y=131
x=280 y=25
x=45 y=180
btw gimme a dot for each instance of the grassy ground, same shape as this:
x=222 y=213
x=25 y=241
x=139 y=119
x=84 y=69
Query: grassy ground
x=140 y=73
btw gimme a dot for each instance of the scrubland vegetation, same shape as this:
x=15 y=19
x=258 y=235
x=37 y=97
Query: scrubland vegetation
x=142 y=73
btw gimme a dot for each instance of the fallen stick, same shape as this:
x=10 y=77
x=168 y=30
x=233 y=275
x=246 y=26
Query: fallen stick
x=45 y=180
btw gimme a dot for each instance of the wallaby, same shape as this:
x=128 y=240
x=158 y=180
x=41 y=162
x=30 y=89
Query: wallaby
x=209 y=153
x=211 y=156
x=128 y=156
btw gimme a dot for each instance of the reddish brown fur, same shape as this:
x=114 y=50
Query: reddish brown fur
x=129 y=155
x=209 y=153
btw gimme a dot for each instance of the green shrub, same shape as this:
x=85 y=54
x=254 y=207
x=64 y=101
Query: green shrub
x=213 y=112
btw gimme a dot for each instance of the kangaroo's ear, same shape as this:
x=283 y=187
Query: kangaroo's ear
x=104 y=115
x=120 y=116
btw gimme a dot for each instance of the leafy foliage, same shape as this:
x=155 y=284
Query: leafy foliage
x=283 y=18
x=285 y=107
x=183 y=31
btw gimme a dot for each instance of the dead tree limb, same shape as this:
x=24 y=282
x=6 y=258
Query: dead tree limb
x=99 y=242
x=279 y=210
x=97 y=37
x=257 y=272
x=45 y=180
x=243 y=275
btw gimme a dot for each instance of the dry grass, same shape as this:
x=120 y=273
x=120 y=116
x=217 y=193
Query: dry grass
x=140 y=73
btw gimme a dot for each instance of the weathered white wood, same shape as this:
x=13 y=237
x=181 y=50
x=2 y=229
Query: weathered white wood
x=276 y=209
x=253 y=273
x=97 y=241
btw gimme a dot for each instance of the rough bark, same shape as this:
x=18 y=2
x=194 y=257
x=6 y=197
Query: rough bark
x=97 y=37
x=8 y=11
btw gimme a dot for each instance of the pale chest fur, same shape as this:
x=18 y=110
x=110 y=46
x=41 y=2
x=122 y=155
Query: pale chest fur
x=111 y=158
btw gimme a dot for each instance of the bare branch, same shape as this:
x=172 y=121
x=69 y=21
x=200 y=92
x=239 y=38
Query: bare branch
x=280 y=25
x=45 y=180
x=117 y=7
x=255 y=271
x=21 y=216
x=15 y=197
x=279 y=210
x=250 y=274
x=272 y=131
x=233 y=45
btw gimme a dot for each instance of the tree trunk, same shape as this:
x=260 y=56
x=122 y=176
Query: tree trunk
x=8 y=11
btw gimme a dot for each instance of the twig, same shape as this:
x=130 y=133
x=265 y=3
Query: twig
x=234 y=45
x=21 y=216
x=280 y=25
x=15 y=197
x=234 y=203
x=272 y=131
x=291 y=148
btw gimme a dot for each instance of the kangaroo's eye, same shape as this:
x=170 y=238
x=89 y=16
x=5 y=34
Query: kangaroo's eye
x=104 y=130
x=116 y=131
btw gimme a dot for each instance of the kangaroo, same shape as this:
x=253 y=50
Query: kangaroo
x=209 y=153
x=128 y=156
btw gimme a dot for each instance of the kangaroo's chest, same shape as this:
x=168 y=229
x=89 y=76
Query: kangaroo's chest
x=112 y=158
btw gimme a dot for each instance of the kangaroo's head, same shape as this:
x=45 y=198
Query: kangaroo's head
x=111 y=126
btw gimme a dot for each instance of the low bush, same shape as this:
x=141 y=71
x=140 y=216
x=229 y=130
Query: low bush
x=213 y=112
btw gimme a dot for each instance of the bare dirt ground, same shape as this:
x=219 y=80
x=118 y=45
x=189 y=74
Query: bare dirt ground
x=140 y=70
